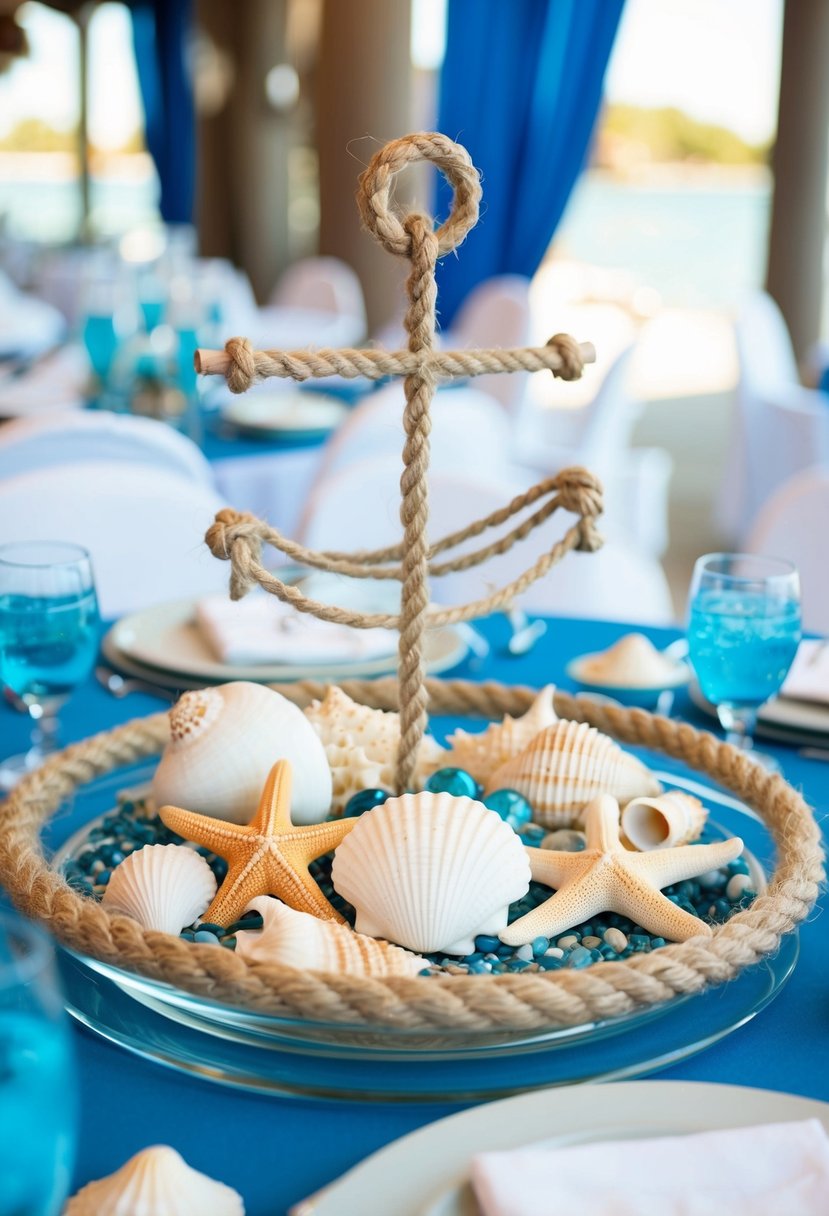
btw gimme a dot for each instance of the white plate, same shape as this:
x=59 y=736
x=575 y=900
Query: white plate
x=289 y=413
x=783 y=718
x=165 y=640
x=425 y=1173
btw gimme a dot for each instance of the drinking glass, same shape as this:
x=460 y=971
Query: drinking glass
x=48 y=637
x=38 y=1097
x=743 y=632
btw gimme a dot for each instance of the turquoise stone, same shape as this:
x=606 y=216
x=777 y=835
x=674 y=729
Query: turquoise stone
x=511 y=806
x=454 y=781
x=364 y=800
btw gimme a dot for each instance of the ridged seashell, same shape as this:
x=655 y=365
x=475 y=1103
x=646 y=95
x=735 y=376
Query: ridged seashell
x=162 y=886
x=158 y=1181
x=567 y=765
x=224 y=742
x=482 y=753
x=361 y=746
x=633 y=661
x=663 y=822
x=431 y=872
x=296 y=939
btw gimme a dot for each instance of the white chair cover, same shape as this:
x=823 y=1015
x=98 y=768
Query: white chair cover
x=496 y=313
x=322 y=285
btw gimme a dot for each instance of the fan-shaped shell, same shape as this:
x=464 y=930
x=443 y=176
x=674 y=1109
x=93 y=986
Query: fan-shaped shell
x=224 y=742
x=481 y=754
x=567 y=765
x=431 y=872
x=663 y=822
x=361 y=746
x=158 y=1181
x=296 y=939
x=162 y=886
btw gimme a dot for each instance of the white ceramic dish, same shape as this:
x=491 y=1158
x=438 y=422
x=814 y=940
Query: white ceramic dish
x=289 y=413
x=645 y=695
x=425 y=1173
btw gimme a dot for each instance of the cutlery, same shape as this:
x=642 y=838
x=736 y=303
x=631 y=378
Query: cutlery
x=120 y=686
x=525 y=633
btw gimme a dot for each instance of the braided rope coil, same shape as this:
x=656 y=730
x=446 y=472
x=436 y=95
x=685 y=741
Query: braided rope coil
x=538 y=1001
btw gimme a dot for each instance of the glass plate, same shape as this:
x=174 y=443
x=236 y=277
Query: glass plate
x=310 y=1059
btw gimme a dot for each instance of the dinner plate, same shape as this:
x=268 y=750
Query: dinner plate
x=426 y=1173
x=783 y=719
x=290 y=414
x=163 y=644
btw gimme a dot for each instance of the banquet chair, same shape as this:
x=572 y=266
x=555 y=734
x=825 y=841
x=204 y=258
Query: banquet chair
x=323 y=285
x=359 y=507
x=77 y=435
x=143 y=526
x=495 y=313
x=791 y=525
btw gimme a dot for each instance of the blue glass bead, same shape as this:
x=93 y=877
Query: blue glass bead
x=540 y=945
x=511 y=806
x=485 y=943
x=364 y=800
x=454 y=781
x=549 y=962
x=207 y=939
x=579 y=957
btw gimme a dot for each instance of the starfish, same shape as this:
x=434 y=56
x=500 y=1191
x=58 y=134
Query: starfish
x=269 y=856
x=606 y=877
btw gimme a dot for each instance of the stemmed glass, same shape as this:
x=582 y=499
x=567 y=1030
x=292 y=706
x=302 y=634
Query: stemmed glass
x=48 y=637
x=38 y=1100
x=743 y=633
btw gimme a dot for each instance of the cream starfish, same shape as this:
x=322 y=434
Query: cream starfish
x=606 y=877
x=269 y=856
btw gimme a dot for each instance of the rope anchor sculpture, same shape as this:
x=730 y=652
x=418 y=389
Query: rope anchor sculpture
x=239 y=537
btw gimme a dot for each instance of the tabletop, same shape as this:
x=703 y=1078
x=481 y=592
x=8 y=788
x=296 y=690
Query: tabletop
x=276 y=1150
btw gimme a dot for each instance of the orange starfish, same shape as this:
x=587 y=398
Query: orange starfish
x=269 y=856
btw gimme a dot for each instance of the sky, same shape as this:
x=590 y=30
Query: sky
x=716 y=59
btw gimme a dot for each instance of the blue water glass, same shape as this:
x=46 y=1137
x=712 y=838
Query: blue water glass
x=38 y=1093
x=100 y=337
x=743 y=633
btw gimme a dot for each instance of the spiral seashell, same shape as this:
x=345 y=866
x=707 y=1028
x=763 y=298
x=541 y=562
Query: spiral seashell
x=481 y=754
x=567 y=765
x=672 y=818
x=162 y=886
x=224 y=742
x=431 y=872
x=158 y=1181
x=296 y=939
x=361 y=746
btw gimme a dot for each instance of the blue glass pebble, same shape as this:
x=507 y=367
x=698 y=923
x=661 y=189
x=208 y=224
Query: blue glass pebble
x=203 y=936
x=511 y=806
x=364 y=800
x=454 y=781
x=539 y=945
x=579 y=957
x=486 y=943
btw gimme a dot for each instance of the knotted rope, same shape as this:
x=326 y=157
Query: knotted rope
x=238 y=538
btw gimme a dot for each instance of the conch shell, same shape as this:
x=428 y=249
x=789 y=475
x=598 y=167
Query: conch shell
x=156 y=1181
x=481 y=754
x=296 y=939
x=670 y=819
x=566 y=766
x=361 y=746
x=162 y=886
x=224 y=742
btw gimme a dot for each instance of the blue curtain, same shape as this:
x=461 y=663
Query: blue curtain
x=160 y=29
x=520 y=89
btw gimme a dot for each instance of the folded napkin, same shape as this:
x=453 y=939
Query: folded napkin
x=261 y=629
x=776 y=1169
x=808 y=679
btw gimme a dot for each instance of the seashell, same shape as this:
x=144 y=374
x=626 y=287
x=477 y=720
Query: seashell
x=431 y=872
x=162 y=886
x=670 y=819
x=225 y=741
x=480 y=754
x=567 y=765
x=158 y=1181
x=361 y=746
x=296 y=939
x=632 y=662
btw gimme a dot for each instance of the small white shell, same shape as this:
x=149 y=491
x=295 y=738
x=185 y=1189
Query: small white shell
x=483 y=753
x=224 y=742
x=431 y=872
x=361 y=746
x=157 y=1181
x=567 y=765
x=670 y=819
x=296 y=939
x=162 y=886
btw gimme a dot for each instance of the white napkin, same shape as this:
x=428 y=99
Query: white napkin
x=808 y=679
x=261 y=629
x=55 y=384
x=777 y=1169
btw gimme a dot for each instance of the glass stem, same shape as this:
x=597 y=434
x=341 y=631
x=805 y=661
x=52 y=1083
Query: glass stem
x=739 y=723
x=46 y=731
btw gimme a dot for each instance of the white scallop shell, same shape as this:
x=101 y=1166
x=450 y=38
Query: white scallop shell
x=224 y=742
x=480 y=754
x=567 y=765
x=431 y=872
x=162 y=886
x=296 y=939
x=633 y=661
x=361 y=746
x=158 y=1181
x=663 y=822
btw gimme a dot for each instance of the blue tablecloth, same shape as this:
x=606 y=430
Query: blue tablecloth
x=276 y=1151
